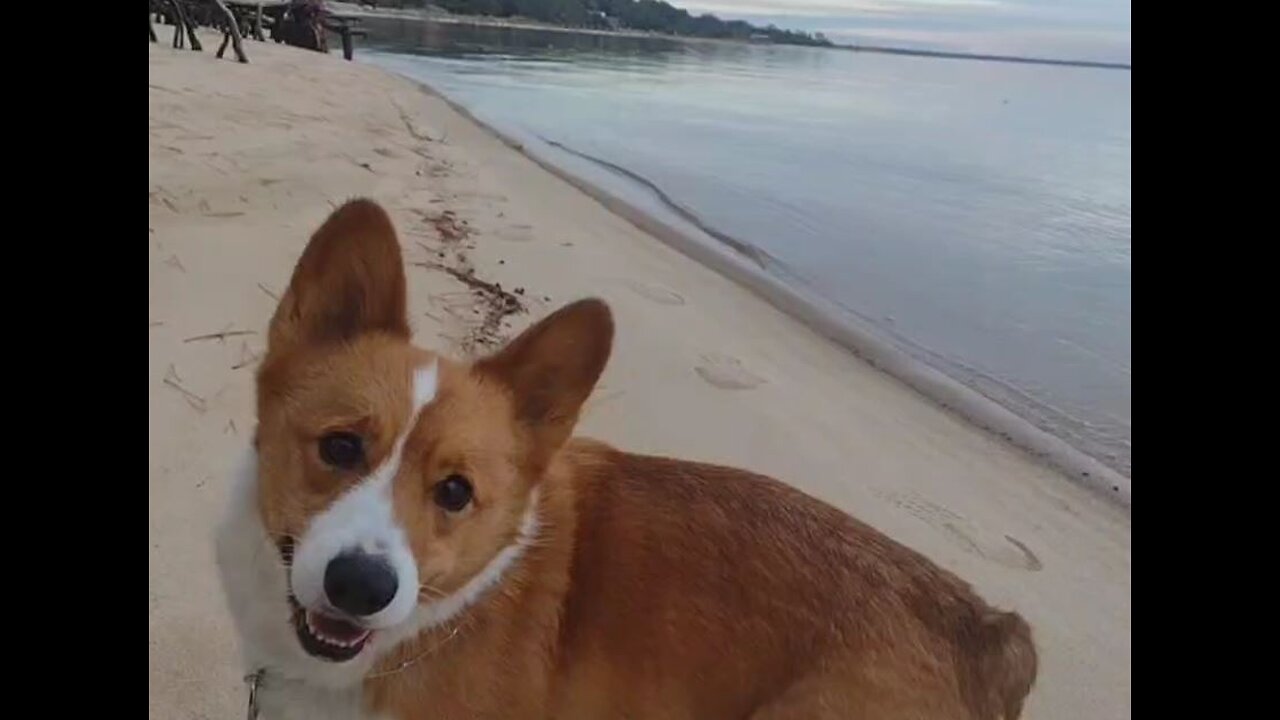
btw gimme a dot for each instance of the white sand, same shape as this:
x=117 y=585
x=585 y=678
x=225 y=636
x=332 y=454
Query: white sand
x=246 y=160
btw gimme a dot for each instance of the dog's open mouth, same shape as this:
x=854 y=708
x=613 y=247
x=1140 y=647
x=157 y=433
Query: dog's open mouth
x=328 y=637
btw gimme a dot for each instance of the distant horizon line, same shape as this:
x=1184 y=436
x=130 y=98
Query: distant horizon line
x=955 y=55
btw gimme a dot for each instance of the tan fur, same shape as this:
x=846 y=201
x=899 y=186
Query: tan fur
x=657 y=588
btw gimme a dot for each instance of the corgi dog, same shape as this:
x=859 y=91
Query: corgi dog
x=413 y=537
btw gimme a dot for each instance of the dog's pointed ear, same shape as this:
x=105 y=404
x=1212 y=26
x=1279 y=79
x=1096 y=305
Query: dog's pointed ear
x=551 y=368
x=349 y=281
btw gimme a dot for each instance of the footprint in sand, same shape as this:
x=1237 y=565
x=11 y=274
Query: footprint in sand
x=1001 y=549
x=726 y=372
x=657 y=294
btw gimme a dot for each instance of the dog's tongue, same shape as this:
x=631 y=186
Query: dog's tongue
x=335 y=628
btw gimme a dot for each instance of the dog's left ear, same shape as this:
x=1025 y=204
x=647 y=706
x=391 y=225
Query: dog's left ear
x=349 y=281
x=551 y=368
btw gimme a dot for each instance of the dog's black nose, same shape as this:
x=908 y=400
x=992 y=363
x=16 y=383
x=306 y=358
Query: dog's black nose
x=360 y=584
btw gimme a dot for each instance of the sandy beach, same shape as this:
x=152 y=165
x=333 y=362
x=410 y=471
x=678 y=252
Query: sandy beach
x=245 y=161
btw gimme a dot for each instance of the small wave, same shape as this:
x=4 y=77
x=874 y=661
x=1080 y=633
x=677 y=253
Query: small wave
x=761 y=258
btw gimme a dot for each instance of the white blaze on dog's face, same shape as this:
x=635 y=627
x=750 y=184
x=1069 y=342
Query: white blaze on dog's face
x=397 y=484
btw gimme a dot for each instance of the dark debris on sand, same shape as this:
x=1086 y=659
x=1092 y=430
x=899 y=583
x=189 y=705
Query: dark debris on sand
x=489 y=304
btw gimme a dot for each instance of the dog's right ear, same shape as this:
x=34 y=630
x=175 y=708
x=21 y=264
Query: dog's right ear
x=349 y=281
x=550 y=369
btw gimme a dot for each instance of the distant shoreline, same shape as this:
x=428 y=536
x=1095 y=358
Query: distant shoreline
x=448 y=18
x=444 y=17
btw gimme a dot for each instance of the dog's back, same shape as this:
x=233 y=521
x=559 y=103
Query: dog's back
x=728 y=593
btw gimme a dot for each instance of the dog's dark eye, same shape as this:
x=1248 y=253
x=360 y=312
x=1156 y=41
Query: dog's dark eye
x=342 y=450
x=453 y=493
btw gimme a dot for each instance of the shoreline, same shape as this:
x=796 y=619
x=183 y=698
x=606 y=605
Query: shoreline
x=854 y=334
x=1048 y=419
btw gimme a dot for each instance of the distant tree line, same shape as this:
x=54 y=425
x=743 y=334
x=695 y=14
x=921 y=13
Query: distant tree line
x=646 y=15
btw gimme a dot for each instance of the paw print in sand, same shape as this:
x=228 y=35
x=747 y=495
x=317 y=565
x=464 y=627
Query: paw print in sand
x=998 y=548
x=727 y=372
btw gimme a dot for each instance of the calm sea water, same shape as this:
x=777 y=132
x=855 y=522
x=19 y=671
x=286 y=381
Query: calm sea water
x=979 y=213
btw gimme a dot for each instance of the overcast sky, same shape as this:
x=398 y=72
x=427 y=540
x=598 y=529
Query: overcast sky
x=1074 y=29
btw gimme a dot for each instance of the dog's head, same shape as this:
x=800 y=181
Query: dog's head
x=398 y=484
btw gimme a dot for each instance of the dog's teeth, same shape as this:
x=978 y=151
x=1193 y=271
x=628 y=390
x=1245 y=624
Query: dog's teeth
x=320 y=635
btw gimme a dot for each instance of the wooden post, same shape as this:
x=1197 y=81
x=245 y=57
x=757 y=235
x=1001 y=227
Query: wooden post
x=191 y=35
x=257 y=25
x=348 y=51
x=178 y=40
x=184 y=23
x=233 y=28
